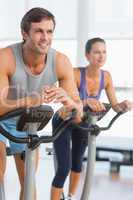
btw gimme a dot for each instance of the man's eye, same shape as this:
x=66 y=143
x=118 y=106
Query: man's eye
x=38 y=31
x=50 y=31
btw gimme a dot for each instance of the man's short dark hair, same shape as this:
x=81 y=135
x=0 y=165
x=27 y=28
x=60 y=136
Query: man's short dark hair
x=90 y=42
x=35 y=15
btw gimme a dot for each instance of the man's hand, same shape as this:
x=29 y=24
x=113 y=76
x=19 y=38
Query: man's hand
x=59 y=95
x=55 y=94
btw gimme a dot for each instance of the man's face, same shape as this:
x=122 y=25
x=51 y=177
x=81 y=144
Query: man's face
x=39 y=37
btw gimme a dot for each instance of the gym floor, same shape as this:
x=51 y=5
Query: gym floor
x=112 y=186
x=105 y=186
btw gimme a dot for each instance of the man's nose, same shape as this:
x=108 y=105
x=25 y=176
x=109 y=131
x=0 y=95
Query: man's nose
x=44 y=36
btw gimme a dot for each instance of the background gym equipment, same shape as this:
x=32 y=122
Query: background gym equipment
x=116 y=151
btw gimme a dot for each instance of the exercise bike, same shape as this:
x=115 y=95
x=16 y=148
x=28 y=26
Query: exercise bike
x=32 y=120
x=94 y=130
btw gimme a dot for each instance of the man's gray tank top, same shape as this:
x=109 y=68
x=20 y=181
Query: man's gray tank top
x=24 y=83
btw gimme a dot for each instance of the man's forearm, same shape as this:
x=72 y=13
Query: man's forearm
x=7 y=105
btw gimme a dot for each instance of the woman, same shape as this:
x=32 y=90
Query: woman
x=90 y=80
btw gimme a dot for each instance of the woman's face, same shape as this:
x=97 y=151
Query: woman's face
x=97 y=54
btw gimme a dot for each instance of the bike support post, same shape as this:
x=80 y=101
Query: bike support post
x=30 y=167
x=2 y=192
x=90 y=163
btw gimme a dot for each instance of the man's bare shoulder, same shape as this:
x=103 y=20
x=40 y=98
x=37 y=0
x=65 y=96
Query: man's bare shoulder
x=5 y=52
x=7 y=60
x=62 y=58
x=63 y=65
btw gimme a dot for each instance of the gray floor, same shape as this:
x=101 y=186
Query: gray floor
x=104 y=186
x=43 y=177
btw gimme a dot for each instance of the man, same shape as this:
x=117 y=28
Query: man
x=28 y=71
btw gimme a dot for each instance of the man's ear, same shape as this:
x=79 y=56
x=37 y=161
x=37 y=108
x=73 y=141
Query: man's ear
x=24 y=34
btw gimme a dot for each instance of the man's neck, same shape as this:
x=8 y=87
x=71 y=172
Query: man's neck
x=34 y=62
x=32 y=59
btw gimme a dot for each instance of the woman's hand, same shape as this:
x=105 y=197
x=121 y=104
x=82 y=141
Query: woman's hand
x=94 y=104
x=124 y=106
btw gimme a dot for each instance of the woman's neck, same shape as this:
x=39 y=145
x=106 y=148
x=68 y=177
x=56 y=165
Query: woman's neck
x=92 y=71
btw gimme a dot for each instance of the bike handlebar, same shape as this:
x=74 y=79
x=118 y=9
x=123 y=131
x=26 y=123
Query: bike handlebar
x=35 y=141
x=93 y=128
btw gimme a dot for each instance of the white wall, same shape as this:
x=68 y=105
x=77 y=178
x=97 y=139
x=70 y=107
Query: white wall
x=107 y=17
x=12 y=11
x=110 y=19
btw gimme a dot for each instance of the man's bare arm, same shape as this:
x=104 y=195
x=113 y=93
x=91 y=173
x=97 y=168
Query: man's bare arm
x=66 y=81
x=7 y=66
